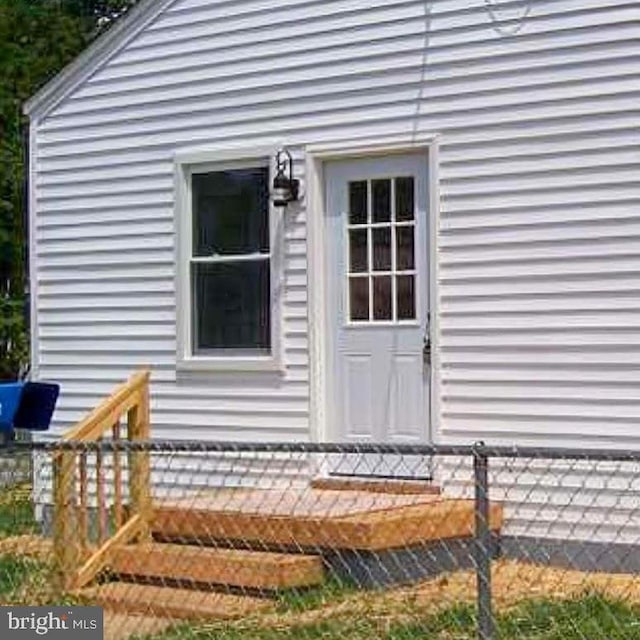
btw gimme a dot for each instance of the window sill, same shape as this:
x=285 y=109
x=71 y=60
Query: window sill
x=230 y=364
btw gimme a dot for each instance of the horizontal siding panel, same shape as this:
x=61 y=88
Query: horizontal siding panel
x=108 y=171
x=535 y=354
x=484 y=111
x=94 y=188
x=541 y=161
x=87 y=359
x=213 y=391
x=558 y=408
x=107 y=375
x=615 y=245
x=361 y=123
x=57 y=263
x=448 y=29
x=287 y=407
x=611 y=214
x=404 y=72
x=106 y=330
x=575 y=320
x=595 y=339
x=87 y=319
x=534 y=232
x=134 y=228
x=113 y=374
x=114 y=218
x=440 y=17
x=253 y=425
x=116 y=273
x=529 y=426
x=506 y=374
x=113 y=303
x=131 y=199
x=127 y=245
x=583 y=268
x=132 y=159
x=466 y=391
x=399 y=72
x=544 y=305
x=528 y=182
x=617 y=283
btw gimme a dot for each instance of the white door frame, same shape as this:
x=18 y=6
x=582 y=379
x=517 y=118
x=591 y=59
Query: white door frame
x=316 y=156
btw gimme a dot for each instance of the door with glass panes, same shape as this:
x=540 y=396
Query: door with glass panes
x=378 y=309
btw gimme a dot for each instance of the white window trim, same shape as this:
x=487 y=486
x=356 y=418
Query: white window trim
x=197 y=162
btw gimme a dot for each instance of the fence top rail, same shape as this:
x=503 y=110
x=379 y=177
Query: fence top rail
x=473 y=450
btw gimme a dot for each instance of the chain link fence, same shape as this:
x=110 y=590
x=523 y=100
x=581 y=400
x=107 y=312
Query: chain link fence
x=238 y=542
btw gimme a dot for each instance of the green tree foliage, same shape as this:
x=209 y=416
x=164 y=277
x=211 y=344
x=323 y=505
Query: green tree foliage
x=37 y=39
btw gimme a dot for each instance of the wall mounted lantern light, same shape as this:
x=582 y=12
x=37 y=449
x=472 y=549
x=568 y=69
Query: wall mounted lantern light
x=285 y=187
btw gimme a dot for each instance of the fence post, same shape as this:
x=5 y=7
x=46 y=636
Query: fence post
x=483 y=543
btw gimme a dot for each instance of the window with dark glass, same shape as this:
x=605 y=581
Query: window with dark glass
x=230 y=262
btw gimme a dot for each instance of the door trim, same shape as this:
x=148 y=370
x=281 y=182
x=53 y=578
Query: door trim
x=316 y=156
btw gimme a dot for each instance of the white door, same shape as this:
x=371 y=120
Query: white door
x=378 y=309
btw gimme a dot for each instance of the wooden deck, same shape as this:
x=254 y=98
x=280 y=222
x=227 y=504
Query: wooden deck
x=225 y=553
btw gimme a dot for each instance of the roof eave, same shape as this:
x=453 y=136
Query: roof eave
x=94 y=56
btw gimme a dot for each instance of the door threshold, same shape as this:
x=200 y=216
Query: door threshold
x=376 y=484
x=380 y=477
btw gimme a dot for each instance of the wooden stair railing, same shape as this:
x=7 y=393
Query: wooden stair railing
x=82 y=545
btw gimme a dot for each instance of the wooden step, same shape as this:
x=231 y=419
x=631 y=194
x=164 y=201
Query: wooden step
x=377 y=530
x=122 y=626
x=234 y=567
x=169 y=602
x=376 y=485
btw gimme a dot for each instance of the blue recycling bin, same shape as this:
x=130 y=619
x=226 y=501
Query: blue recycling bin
x=10 y=396
x=26 y=405
x=37 y=403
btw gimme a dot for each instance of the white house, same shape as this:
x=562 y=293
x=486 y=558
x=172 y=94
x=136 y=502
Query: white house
x=463 y=259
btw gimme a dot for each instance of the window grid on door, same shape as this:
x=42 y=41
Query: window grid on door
x=381 y=251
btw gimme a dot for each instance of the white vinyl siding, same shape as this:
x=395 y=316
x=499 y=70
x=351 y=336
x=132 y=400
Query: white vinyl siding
x=538 y=261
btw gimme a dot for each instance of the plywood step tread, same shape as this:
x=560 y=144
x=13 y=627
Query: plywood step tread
x=234 y=567
x=370 y=530
x=169 y=602
x=376 y=485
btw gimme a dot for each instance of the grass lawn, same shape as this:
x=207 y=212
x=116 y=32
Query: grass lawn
x=23 y=580
x=16 y=511
x=590 y=617
x=532 y=602
x=19 y=575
